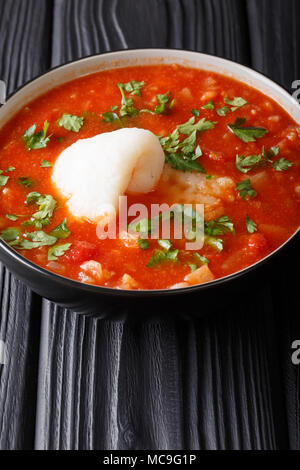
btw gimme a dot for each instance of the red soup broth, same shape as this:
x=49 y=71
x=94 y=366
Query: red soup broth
x=275 y=209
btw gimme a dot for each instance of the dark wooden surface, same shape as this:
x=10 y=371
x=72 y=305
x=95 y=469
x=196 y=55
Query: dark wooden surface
x=225 y=381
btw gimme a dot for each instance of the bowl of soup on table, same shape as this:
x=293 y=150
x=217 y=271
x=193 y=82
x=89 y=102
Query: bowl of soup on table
x=146 y=171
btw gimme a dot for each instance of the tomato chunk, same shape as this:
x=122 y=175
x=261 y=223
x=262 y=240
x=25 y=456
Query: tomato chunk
x=257 y=244
x=81 y=251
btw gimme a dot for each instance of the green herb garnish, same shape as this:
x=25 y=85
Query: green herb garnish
x=24 y=181
x=245 y=189
x=46 y=164
x=71 y=122
x=209 y=105
x=58 y=250
x=246 y=134
x=36 y=141
x=61 y=231
x=250 y=225
x=236 y=103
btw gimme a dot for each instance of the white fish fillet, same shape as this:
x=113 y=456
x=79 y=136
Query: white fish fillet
x=92 y=173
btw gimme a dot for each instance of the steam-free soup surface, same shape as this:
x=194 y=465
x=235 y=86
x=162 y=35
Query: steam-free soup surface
x=238 y=154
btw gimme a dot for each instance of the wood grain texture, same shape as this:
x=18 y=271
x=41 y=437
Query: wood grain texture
x=24 y=53
x=221 y=382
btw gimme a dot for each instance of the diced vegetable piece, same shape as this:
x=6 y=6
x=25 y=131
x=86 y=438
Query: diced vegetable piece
x=81 y=251
x=200 y=276
x=128 y=283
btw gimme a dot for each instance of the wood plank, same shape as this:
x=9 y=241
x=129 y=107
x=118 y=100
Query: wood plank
x=25 y=34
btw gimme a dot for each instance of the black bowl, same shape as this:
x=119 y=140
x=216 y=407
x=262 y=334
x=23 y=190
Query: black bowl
x=108 y=302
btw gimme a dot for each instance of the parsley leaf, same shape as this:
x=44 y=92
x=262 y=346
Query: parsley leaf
x=178 y=162
x=250 y=225
x=200 y=126
x=127 y=107
x=46 y=164
x=223 y=111
x=209 y=105
x=245 y=164
x=195 y=112
x=11 y=234
x=133 y=87
x=236 y=103
x=216 y=243
x=11 y=217
x=165 y=244
x=24 y=181
x=161 y=257
x=164 y=103
x=245 y=189
x=3 y=180
x=9 y=169
x=36 y=141
x=200 y=259
x=61 y=231
x=282 y=164
x=36 y=239
x=219 y=227
x=46 y=205
x=246 y=134
x=58 y=250
x=71 y=122
x=143 y=244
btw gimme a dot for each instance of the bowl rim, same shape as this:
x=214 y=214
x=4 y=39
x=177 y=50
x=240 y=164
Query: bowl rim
x=143 y=293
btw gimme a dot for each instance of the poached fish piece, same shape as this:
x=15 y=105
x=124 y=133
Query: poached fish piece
x=93 y=173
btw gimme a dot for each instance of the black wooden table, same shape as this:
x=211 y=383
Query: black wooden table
x=224 y=381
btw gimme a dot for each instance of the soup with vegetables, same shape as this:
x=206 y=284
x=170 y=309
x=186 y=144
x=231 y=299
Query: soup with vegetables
x=152 y=136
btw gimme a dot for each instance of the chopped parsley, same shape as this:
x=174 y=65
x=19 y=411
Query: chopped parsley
x=9 y=169
x=246 y=134
x=209 y=105
x=46 y=205
x=61 y=231
x=127 y=108
x=236 y=103
x=250 y=162
x=11 y=217
x=161 y=257
x=201 y=260
x=219 y=227
x=195 y=112
x=165 y=103
x=182 y=155
x=3 y=180
x=37 y=140
x=282 y=164
x=71 y=122
x=133 y=87
x=250 y=225
x=143 y=244
x=58 y=250
x=245 y=164
x=24 y=181
x=165 y=244
x=11 y=234
x=46 y=164
x=223 y=111
x=245 y=189
x=36 y=240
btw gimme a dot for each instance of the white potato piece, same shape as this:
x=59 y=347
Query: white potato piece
x=200 y=276
x=92 y=173
x=127 y=282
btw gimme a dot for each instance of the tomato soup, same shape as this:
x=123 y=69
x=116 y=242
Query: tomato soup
x=225 y=146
